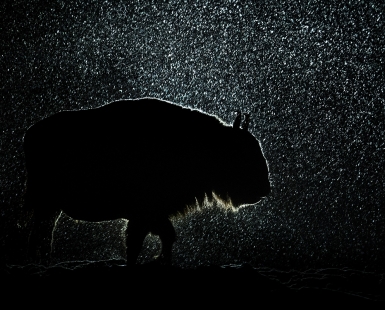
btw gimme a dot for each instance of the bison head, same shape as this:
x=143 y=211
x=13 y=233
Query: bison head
x=246 y=179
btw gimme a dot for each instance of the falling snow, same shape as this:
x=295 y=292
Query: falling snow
x=312 y=77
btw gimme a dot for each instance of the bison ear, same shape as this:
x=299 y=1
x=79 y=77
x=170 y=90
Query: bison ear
x=245 y=125
x=237 y=121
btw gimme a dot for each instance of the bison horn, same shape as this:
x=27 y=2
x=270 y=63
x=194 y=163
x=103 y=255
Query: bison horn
x=237 y=121
x=245 y=125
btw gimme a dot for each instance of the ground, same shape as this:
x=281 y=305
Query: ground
x=147 y=284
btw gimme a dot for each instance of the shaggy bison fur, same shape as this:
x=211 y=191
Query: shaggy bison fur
x=143 y=160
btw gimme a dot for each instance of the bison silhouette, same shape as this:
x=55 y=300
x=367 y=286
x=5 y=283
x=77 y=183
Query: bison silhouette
x=143 y=160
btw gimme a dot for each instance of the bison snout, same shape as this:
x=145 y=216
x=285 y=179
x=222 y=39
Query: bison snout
x=265 y=189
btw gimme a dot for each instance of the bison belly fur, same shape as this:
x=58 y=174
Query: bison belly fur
x=143 y=160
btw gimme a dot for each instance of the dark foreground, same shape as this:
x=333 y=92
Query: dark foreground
x=154 y=285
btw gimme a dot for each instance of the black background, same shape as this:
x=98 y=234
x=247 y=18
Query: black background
x=311 y=75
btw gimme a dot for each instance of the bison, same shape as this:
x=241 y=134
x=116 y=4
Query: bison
x=143 y=160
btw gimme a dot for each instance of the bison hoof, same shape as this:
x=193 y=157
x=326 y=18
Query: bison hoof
x=163 y=260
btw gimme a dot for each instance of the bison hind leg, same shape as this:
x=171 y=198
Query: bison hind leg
x=40 y=238
x=135 y=233
x=166 y=232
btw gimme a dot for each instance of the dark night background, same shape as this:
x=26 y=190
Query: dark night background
x=311 y=75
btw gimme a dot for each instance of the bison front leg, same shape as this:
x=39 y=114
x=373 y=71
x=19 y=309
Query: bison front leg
x=166 y=232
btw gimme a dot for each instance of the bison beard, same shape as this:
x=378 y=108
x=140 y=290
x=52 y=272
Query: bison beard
x=143 y=160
